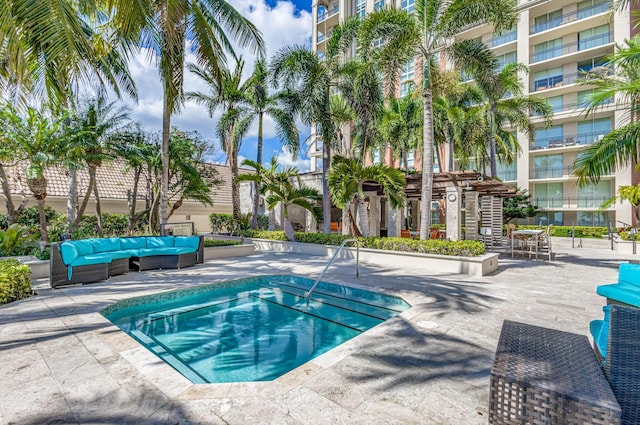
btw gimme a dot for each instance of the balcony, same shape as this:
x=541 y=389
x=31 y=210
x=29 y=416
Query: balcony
x=503 y=39
x=571 y=17
x=508 y=175
x=556 y=81
x=582 y=139
x=573 y=47
x=326 y=14
x=569 y=203
x=551 y=172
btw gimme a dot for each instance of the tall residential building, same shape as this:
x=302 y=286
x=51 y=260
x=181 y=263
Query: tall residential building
x=558 y=40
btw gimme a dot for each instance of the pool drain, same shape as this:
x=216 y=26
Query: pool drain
x=426 y=324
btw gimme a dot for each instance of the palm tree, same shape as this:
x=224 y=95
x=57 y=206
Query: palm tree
x=505 y=103
x=97 y=122
x=401 y=127
x=347 y=178
x=38 y=141
x=258 y=104
x=280 y=190
x=439 y=21
x=620 y=147
x=229 y=93
x=171 y=27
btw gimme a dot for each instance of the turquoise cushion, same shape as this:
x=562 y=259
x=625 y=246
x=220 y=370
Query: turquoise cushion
x=86 y=260
x=159 y=241
x=629 y=273
x=150 y=252
x=621 y=292
x=68 y=251
x=600 y=331
x=133 y=243
x=105 y=245
x=187 y=241
x=84 y=247
x=118 y=255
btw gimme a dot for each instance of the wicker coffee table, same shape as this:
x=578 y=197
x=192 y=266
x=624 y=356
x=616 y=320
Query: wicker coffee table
x=546 y=376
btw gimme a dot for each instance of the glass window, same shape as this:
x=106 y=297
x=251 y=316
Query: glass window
x=592 y=130
x=548 y=195
x=592 y=7
x=556 y=103
x=378 y=4
x=361 y=8
x=587 y=65
x=547 y=21
x=547 y=50
x=593 y=218
x=504 y=60
x=408 y=5
x=551 y=217
x=407 y=74
x=547 y=166
x=505 y=37
x=584 y=99
x=593 y=195
x=593 y=37
x=548 y=137
x=547 y=79
x=410 y=158
x=507 y=172
x=406 y=88
x=376 y=157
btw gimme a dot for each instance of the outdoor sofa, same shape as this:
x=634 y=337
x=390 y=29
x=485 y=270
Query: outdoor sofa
x=93 y=260
x=627 y=290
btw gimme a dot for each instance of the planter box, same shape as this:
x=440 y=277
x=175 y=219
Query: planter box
x=214 y=252
x=626 y=247
x=39 y=268
x=474 y=266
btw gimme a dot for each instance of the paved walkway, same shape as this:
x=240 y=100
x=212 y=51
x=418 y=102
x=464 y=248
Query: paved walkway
x=61 y=362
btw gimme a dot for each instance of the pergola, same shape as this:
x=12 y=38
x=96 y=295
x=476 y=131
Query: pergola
x=469 y=188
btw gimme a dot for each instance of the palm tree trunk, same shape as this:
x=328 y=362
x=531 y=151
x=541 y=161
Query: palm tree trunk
x=38 y=187
x=72 y=198
x=12 y=211
x=288 y=229
x=164 y=179
x=235 y=190
x=492 y=143
x=98 y=206
x=256 y=195
x=363 y=217
x=427 y=160
x=133 y=201
x=85 y=201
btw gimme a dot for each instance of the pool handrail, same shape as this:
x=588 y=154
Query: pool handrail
x=344 y=242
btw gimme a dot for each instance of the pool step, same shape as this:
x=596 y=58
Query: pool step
x=350 y=294
x=345 y=317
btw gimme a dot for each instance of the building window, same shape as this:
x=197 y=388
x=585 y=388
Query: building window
x=594 y=37
x=378 y=4
x=376 y=157
x=593 y=218
x=593 y=130
x=507 y=172
x=547 y=50
x=550 y=137
x=584 y=99
x=408 y=5
x=548 y=195
x=549 y=78
x=504 y=60
x=547 y=166
x=407 y=74
x=547 y=21
x=556 y=103
x=592 y=7
x=589 y=64
x=505 y=37
x=593 y=195
x=411 y=158
x=361 y=8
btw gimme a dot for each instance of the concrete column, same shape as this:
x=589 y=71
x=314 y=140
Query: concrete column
x=471 y=216
x=374 y=214
x=454 y=204
x=395 y=222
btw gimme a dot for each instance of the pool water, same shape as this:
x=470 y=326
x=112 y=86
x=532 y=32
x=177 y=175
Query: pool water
x=253 y=329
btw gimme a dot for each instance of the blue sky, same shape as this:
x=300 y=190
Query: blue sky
x=282 y=23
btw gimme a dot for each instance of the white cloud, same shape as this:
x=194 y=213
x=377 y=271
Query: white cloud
x=285 y=159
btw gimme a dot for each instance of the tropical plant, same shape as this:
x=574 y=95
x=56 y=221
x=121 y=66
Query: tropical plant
x=171 y=28
x=505 y=104
x=17 y=240
x=620 y=147
x=630 y=194
x=518 y=206
x=15 y=282
x=401 y=127
x=260 y=104
x=347 y=178
x=438 y=21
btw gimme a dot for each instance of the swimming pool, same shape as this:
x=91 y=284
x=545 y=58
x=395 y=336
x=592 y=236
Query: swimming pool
x=252 y=329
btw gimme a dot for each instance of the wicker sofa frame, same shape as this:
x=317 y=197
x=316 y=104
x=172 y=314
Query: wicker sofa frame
x=98 y=272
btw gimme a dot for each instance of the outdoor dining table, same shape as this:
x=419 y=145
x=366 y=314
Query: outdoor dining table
x=529 y=239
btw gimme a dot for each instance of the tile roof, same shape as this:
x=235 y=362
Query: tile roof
x=114 y=180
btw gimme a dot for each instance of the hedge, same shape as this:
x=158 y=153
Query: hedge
x=15 y=281
x=580 y=231
x=219 y=242
x=456 y=248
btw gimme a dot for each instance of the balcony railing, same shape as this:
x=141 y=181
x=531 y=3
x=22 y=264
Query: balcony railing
x=327 y=13
x=564 y=79
x=575 y=46
x=572 y=16
x=571 y=140
x=572 y=202
x=508 y=175
x=499 y=40
x=551 y=172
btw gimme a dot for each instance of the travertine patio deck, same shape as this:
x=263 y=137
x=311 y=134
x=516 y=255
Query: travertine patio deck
x=62 y=362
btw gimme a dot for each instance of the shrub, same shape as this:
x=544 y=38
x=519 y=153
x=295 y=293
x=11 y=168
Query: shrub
x=221 y=223
x=457 y=248
x=580 y=231
x=15 y=283
x=218 y=242
x=18 y=240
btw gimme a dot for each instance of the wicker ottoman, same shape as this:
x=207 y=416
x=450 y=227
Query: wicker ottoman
x=545 y=376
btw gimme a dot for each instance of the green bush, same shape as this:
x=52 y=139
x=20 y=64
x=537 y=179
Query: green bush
x=580 y=231
x=18 y=240
x=15 y=283
x=457 y=248
x=221 y=223
x=218 y=242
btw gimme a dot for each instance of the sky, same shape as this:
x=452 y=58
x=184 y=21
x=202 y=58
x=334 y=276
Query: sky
x=282 y=23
